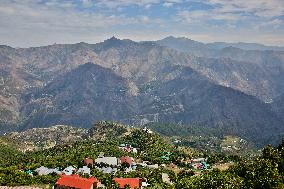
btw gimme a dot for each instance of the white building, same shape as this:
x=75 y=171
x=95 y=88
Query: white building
x=107 y=160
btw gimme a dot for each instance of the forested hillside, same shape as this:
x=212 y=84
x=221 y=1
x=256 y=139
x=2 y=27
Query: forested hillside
x=265 y=171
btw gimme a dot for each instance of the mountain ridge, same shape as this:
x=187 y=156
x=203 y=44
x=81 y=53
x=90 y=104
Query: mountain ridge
x=153 y=79
x=78 y=100
x=221 y=45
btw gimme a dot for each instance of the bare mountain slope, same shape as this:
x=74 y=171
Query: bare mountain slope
x=138 y=82
x=258 y=72
x=87 y=94
x=92 y=93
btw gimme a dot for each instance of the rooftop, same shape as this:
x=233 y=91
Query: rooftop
x=76 y=181
x=132 y=182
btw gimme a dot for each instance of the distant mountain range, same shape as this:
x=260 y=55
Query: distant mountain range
x=237 y=87
x=185 y=44
x=257 y=71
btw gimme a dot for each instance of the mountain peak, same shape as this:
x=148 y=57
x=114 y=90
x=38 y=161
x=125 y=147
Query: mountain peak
x=112 y=39
x=113 y=42
x=178 y=38
x=170 y=37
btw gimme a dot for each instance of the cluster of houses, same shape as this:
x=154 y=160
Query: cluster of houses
x=67 y=171
x=70 y=176
x=128 y=148
x=198 y=164
x=104 y=164
x=75 y=181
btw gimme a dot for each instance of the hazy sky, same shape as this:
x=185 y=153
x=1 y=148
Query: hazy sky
x=26 y=23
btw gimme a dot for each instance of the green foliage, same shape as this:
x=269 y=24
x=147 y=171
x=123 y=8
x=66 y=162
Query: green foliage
x=212 y=179
x=151 y=144
x=185 y=130
x=203 y=138
x=185 y=174
x=214 y=158
x=261 y=173
x=264 y=172
x=107 y=130
x=8 y=152
x=12 y=177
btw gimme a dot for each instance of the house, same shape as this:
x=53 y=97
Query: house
x=176 y=141
x=166 y=156
x=147 y=164
x=45 y=171
x=143 y=164
x=69 y=170
x=134 y=166
x=202 y=165
x=84 y=170
x=198 y=160
x=125 y=147
x=145 y=184
x=29 y=172
x=101 y=154
x=88 y=162
x=145 y=129
x=166 y=178
x=108 y=170
x=42 y=170
x=172 y=165
x=75 y=181
x=122 y=145
x=127 y=159
x=131 y=182
x=154 y=166
x=107 y=160
x=134 y=150
x=205 y=165
x=128 y=148
x=127 y=170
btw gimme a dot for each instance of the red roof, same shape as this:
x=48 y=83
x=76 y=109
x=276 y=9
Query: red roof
x=132 y=182
x=88 y=161
x=126 y=159
x=76 y=181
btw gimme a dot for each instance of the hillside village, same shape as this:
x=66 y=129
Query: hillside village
x=78 y=177
x=118 y=156
x=111 y=165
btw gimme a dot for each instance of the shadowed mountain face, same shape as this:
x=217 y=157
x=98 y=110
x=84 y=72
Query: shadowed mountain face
x=137 y=83
x=191 y=99
x=81 y=97
x=91 y=93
